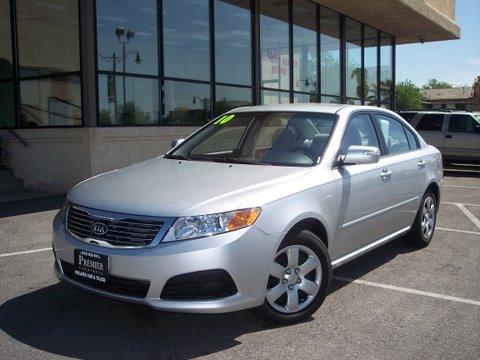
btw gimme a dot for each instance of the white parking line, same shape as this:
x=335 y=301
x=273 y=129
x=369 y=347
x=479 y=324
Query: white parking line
x=453 y=203
x=456 y=230
x=25 y=252
x=469 y=215
x=463 y=186
x=407 y=290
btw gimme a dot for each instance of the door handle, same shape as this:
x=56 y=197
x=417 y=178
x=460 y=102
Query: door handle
x=448 y=136
x=386 y=174
x=421 y=164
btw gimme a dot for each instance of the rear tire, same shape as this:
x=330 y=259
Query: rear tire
x=424 y=225
x=298 y=281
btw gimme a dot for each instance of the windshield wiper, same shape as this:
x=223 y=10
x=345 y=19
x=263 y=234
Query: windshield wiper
x=177 y=157
x=239 y=161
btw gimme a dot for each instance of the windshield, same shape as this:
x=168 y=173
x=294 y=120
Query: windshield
x=262 y=138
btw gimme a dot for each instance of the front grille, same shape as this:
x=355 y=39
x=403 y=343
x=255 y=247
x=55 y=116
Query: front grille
x=117 y=285
x=123 y=230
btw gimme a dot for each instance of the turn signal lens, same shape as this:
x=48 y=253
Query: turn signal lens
x=242 y=218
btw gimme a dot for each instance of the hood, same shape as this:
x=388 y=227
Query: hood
x=167 y=187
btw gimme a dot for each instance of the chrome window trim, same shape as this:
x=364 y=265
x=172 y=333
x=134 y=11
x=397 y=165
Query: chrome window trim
x=113 y=216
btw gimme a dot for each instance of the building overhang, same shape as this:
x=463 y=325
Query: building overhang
x=410 y=21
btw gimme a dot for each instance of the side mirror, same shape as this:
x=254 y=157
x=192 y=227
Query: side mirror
x=476 y=129
x=176 y=142
x=359 y=155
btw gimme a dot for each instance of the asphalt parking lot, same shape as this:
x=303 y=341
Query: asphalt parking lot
x=397 y=302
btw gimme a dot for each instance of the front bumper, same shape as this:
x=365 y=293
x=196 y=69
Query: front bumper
x=246 y=255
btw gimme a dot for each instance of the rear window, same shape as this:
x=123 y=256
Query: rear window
x=431 y=122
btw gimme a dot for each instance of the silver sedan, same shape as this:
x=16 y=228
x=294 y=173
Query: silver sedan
x=253 y=210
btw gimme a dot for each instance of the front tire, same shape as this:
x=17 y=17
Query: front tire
x=424 y=225
x=298 y=281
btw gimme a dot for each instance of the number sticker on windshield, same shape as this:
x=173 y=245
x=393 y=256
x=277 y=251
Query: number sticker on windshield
x=224 y=119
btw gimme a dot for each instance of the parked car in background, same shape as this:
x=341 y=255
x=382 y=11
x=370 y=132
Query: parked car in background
x=253 y=210
x=455 y=133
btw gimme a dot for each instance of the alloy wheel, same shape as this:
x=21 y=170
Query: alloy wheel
x=295 y=278
x=428 y=217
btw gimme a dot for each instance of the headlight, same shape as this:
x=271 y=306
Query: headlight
x=63 y=211
x=191 y=227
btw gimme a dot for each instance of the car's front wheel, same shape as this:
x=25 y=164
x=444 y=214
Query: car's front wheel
x=298 y=280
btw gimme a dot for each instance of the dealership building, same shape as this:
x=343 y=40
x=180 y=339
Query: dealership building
x=88 y=86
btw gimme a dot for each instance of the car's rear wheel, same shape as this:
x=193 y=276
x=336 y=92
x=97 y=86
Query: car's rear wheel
x=424 y=225
x=298 y=280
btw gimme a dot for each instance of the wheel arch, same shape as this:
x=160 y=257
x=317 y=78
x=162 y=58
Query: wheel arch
x=313 y=225
x=435 y=188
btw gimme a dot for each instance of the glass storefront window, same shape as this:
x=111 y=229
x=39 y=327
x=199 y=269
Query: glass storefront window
x=48 y=37
x=353 y=59
x=229 y=97
x=52 y=101
x=186 y=103
x=6 y=66
x=353 y=102
x=370 y=62
x=329 y=52
x=127 y=100
x=127 y=36
x=7 y=107
x=233 y=42
x=7 y=104
x=386 y=75
x=304 y=98
x=330 y=100
x=275 y=97
x=186 y=39
x=274 y=44
x=304 y=46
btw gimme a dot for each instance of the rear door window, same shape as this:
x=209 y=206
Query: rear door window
x=462 y=123
x=412 y=139
x=430 y=122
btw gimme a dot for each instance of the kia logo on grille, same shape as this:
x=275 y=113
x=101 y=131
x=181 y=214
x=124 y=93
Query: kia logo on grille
x=99 y=228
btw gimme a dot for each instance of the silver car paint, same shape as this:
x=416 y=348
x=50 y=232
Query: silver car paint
x=357 y=207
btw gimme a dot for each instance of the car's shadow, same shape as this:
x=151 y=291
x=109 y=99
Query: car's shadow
x=65 y=321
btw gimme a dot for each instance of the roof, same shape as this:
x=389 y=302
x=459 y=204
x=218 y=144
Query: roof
x=310 y=107
x=457 y=93
x=317 y=107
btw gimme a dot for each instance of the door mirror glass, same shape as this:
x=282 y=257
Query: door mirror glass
x=176 y=142
x=358 y=155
